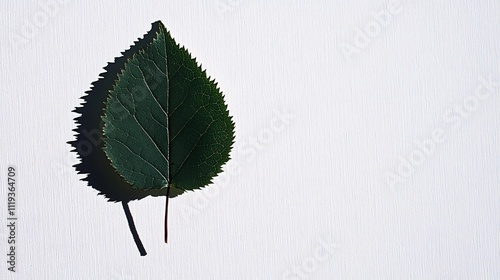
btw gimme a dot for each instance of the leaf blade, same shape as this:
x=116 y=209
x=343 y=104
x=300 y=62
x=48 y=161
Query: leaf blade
x=176 y=129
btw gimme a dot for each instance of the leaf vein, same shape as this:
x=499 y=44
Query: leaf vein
x=139 y=156
x=144 y=130
x=194 y=147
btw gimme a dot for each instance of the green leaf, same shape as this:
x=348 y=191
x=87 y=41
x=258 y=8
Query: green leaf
x=165 y=127
x=165 y=121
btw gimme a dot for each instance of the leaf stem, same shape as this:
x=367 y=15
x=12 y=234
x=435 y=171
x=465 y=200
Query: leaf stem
x=133 y=230
x=166 y=213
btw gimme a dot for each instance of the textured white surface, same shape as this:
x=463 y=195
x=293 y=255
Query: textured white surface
x=320 y=178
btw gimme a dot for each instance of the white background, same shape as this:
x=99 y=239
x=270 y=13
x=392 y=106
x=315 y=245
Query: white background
x=321 y=178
